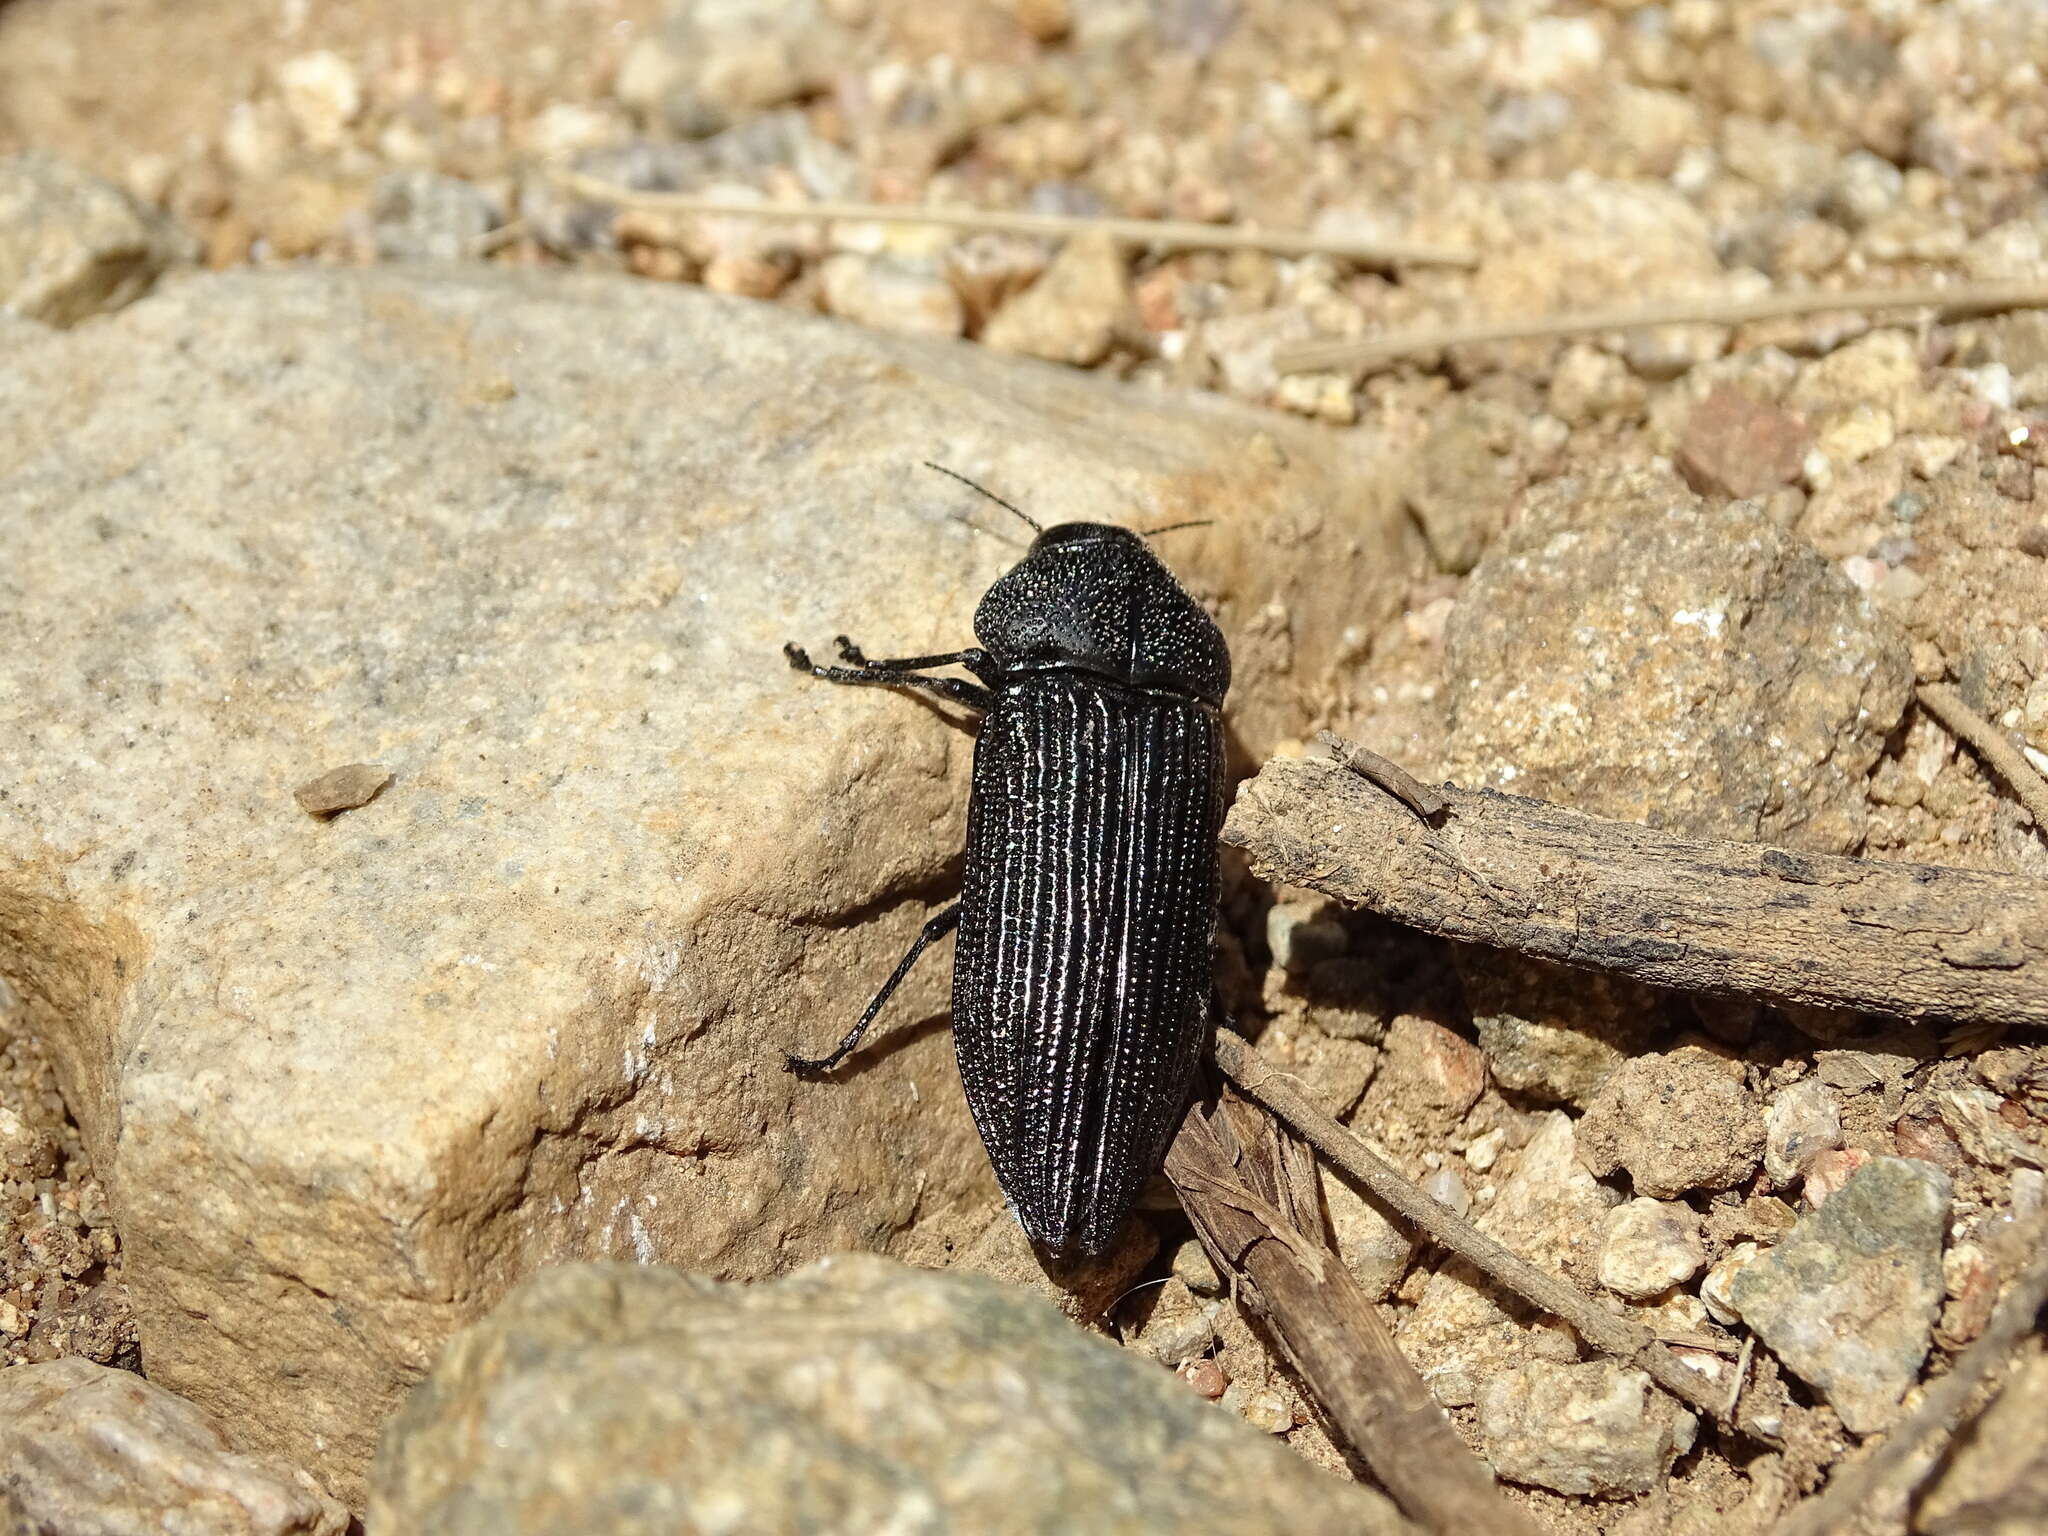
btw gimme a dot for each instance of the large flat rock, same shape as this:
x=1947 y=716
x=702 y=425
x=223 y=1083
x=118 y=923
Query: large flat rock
x=531 y=543
x=855 y=1395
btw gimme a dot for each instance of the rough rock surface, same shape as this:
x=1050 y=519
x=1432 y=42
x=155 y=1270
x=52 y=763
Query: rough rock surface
x=1073 y=312
x=92 y=1451
x=1375 y=1247
x=1594 y=1427
x=1553 y=246
x=1758 y=685
x=534 y=546
x=72 y=245
x=1549 y=1211
x=1459 y=491
x=1676 y=1120
x=1849 y=1299
x=857 y=1395
x=1549 y=1031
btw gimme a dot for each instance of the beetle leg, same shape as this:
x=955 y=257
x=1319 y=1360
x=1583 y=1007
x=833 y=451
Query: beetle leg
x=959 y=690
x=974 y=659
x=937 y=928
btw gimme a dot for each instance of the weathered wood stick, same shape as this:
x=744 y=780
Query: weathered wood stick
x=1605 y=1330
x=1912 y=940
x=1251 y=1192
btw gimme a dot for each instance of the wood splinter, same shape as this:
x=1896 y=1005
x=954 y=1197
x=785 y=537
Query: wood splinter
x=1251 y=1191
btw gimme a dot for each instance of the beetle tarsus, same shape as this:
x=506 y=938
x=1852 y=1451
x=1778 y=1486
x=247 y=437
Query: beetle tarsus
x=897 y=674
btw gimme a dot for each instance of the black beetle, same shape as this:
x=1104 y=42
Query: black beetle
x=1082 y=972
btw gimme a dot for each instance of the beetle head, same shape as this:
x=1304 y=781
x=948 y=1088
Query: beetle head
x=1090 y=597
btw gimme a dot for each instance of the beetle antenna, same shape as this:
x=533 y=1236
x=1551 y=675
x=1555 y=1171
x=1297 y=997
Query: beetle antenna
x=991 y=495
x=1200 y=522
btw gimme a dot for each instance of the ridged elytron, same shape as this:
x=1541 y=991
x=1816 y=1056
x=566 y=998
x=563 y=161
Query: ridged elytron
x=1081 y=973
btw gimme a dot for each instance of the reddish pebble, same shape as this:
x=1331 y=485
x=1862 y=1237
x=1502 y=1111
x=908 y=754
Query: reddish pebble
x=1736 y=446
x=1830 y=1170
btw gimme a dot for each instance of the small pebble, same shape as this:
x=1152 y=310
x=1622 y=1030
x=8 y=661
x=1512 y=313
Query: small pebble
x=322 y=95
x=1261 y=1407
x=1072 y=313
x=1180 y=1326
x=1192 y=1268
x=341 y=789
x=1715 y=1289
x=2029 y=1193
x=1446 y=1188
x=1485 y=1150
x=417 y=215
x=1803 y=1120
x=1648 y=1246
x=1300 y=934
x=890 y=294
x=1676 y=1121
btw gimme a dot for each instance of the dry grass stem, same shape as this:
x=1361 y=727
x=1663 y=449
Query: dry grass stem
x=1603 y=1329
x=1942 y=701
x=1367 y=351
x=1163 y=234
x=494 y=240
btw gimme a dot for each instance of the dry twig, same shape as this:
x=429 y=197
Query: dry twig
x=1366 y=351
x=494 y=240
x=1164 y=234
x=1251 y=1192
x=1941 y=1405
x=1599 y=1327
x=1706 y=916
x=1425 y=800
x=1942 y=701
